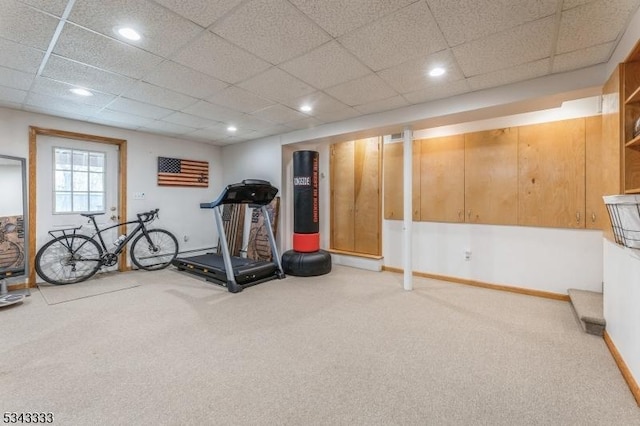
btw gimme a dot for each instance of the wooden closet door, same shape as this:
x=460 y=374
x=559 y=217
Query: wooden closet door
x=491 y=176
x=551 y=159
x=442 y=179
x=367 y=196
x=342 y=196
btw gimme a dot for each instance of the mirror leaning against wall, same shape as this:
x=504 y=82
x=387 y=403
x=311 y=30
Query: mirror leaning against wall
x=13 y=228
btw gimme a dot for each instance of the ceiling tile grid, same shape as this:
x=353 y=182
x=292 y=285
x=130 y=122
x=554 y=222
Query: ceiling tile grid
x=204 y=64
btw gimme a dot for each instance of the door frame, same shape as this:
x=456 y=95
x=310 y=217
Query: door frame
x=122 y=186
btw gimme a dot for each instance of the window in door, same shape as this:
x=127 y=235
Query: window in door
x=79 y=181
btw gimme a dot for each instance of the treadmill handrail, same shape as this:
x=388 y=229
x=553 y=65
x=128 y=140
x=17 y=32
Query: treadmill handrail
x=249 y=191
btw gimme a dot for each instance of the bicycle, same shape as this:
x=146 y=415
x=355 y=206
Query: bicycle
x=72 y=257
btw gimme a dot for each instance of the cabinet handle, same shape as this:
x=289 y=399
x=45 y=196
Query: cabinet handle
x=593 y=216
x=577 y=217
x=460 y=215
x=469 y=214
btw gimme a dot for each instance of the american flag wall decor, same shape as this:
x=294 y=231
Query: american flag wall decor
x=177 y=172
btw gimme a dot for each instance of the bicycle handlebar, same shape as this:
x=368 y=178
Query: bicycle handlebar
x=148 y=216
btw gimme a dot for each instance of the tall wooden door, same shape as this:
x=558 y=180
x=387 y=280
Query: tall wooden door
x=355 y=196
x=491 y=176
x=551 y=159
x=442 y=179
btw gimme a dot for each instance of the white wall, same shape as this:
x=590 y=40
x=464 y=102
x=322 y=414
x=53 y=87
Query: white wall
x=622 y=302
x=179 y=207
x=10 y=189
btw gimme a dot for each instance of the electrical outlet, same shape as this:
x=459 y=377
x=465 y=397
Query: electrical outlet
x=185 y=238
x=467 y=254
x=138 y=195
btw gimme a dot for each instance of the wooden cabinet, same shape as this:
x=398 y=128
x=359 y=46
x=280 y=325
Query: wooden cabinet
x=491 y=176
x=551 y=159
x=355 y=196
x=596 y=212
x=393 y=165
x=442 y=179
x=630 y=114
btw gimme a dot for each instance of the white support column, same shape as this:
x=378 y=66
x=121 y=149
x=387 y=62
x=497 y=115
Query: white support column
x=408 y=208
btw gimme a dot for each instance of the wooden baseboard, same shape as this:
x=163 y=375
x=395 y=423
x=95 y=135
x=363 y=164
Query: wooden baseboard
x=350 y=253
x=519 y=290
x=18 y=286
x=622 y=366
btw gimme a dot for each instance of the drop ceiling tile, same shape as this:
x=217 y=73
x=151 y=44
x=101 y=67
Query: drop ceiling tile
x=184 y=80
x=509 y=75
x=20 y=57
x=251 y=122
x=112 y=117
x=213 y=112
x=102 y=52
x=318 y=101
x=326 y=66
x=46 y=86
x=306 y=123
x=159 y=96
x=210 y=133
x=362 y=91
x=337 y=114
x=273 y=30
x=79 y=74
x=605 y=20
x=239 y=99
x=25 y=25
x=218 y=58
x=111 y=123
x=190 y=120
x=413 y=75
x=466 y=20
x=9 y=95
x=72 y=114
x=139 y=109
x=338 y=17
x=526 y=43
x=407 y=33
x=60 y=106
x=437 y=92
x=383 y=105
x=583 y=57
x=163 y=127
x=162 y=31
x=15 y=79
x=277 y=85
x=55 y=7
x=202 y=12
x=279 y=114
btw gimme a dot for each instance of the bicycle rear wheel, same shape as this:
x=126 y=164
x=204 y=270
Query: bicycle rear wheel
x=156 y=253
x=68 y=259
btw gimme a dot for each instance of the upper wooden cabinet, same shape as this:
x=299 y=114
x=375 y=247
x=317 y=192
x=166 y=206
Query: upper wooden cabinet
x=393 y=161
x=442 y=179
x=596 y=211
x=630 y=115
x=551 y=159
x=355 y=196
x=491 y=176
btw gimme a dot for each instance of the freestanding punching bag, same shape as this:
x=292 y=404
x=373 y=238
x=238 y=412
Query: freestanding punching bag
x=306 y=259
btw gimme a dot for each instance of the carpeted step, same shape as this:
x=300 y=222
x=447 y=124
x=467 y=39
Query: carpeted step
x=588 y=308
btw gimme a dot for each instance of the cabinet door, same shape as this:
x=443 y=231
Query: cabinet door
x=342 y=196
x=491 y=176
x=393 y=160
x=595 y=209
x=442 y=179
x=367 y=196
x=551 y=158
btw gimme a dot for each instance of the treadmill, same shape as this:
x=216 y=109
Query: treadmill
x=236 y=273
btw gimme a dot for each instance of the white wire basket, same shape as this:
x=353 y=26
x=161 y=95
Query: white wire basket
x=624 y=213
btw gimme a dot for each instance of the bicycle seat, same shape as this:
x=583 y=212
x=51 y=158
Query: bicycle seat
x=91 y=214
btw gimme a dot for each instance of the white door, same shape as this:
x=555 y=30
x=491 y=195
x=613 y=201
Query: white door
x=76 y=177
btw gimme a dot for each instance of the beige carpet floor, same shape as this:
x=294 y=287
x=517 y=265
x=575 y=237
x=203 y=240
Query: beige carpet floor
x=99 y=284
x=349 y=348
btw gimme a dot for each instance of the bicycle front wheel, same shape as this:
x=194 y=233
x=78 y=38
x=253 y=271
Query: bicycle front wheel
x=156 y=252
x=68 y=259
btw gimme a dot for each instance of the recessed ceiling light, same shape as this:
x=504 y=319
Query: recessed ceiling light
x=437 y=72
x=129 y=33
x=232 y=128
x=80 y=91
x=306 y=108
